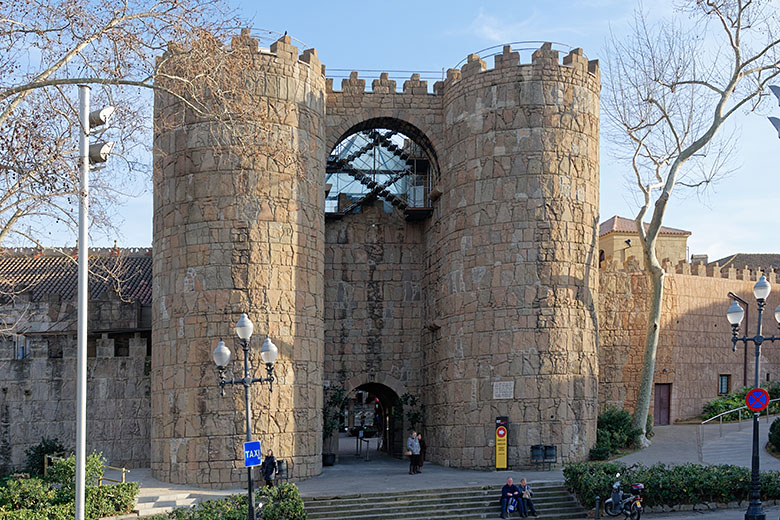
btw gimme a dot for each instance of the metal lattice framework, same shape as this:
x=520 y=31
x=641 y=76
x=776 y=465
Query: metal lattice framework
x=377 y=163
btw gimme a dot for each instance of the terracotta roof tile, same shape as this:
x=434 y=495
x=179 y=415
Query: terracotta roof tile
x=625 y=225
x=56 y=274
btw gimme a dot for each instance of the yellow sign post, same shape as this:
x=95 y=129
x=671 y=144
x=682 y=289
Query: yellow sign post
x=501 y=442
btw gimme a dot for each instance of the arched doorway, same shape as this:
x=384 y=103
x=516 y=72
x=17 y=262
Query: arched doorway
x=373 y=412
x=381 y=159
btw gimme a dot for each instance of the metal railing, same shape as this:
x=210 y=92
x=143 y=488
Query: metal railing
x=106 y=479
x=50 y=458
x=739 y=420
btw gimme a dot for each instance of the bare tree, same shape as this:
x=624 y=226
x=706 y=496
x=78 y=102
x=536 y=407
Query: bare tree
x=670 y=89
x=49 y=47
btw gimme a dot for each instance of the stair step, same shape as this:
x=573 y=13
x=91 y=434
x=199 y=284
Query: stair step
x=551 y=499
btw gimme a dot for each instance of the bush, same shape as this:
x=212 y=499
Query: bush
x=736 y=399
x=28 y=493
x=230 y=508
x=670 y=485
x=63 y=471
x=774 y=434
x=38 y=500
x=614 y=433
x=283 y=502
x=36 y=454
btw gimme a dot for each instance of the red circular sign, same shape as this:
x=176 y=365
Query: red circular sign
x=501 y=432
x=757 y=399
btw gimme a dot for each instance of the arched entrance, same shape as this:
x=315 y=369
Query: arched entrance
x=382 y=159
x=373 y=412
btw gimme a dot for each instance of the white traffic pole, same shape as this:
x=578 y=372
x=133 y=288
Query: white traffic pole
x=83 y=296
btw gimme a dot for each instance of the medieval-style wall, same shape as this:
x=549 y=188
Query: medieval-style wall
x=512 y=258
x=240 y=229
x=373 y=317
x=694 y=346
x=37 y=393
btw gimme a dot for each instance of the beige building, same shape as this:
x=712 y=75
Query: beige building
x=619 y=241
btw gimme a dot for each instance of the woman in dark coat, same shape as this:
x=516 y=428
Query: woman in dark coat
x=268 y=469
x=422 y=451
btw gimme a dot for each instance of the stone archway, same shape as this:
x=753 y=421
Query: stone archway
x=375 y=411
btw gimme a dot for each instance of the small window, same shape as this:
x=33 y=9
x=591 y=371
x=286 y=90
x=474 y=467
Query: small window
x=724 y=384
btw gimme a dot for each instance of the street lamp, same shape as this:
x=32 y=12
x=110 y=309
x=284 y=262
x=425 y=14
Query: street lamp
x=735 y=314
x=221 y=357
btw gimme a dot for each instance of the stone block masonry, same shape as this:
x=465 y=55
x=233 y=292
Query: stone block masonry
x=497 y=286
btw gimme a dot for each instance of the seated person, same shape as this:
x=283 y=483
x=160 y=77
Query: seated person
x=525 y=494
x=508 y=492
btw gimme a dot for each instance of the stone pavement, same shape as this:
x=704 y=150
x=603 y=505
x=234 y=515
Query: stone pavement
x=674 y=444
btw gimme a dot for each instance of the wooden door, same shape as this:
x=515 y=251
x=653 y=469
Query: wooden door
x=662 y=401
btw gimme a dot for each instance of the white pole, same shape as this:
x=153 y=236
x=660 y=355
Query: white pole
x=81 y=356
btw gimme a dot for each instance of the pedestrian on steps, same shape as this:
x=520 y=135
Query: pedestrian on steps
x=269 y=469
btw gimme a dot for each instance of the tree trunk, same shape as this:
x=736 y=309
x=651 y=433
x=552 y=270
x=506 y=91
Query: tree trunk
x=651 y=346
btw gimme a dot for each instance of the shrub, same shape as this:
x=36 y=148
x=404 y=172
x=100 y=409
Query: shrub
x=283 y=502
x=63 y=471
x=27 y=493
x=614 y=432
x=736 y=399
x=230 y=508
x=774 y=434
x=47 y=503
x=669 y=485
x=36 y=454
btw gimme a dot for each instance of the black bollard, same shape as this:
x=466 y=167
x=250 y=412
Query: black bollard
x=598 y=507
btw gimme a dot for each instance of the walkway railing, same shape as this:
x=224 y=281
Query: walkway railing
x=739 y=421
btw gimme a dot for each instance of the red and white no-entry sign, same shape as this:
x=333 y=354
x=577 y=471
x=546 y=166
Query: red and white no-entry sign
x=757 y=399
x=501 y=432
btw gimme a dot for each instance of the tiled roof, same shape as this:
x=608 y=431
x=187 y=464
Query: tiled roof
x=752 y=260
x=625 y=225
x=56 y=273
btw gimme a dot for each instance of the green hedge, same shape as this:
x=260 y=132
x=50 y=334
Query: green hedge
x=281 y=502
x=669 y=485
x=35 y=499
x=736 y=399
x=774 y=434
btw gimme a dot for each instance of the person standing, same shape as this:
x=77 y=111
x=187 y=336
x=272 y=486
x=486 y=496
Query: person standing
x=526 y=493
x=509 y=492
x=269 y=468
x=422 y=452
x=413 y=445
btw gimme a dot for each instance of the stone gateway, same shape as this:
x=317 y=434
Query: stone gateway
x=466 y=271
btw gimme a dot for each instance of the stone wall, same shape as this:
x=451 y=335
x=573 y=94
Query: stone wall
x=239 y=227
x=373 y=316
x=37 y=393
x=511 y=267
x=694 y=346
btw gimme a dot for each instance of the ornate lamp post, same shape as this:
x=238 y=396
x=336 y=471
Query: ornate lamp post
x=735 y=314
x=268 y=353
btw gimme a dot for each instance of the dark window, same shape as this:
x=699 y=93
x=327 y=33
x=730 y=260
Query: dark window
x=121 y=344
x=91 y=345
x=724 y=384
x=54 y=346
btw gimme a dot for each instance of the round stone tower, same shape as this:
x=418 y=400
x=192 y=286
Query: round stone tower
x=239 y=227
x=513 y=260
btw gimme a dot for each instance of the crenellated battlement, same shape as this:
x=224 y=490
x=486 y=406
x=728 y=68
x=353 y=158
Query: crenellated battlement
x=632 y=265
x=545 y=56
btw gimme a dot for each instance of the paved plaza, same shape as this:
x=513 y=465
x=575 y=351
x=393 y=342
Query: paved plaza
x=673 y=444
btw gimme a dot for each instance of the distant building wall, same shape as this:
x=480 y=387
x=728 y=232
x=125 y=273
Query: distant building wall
x=37 y=392
x=614 y=246
x=694 y=348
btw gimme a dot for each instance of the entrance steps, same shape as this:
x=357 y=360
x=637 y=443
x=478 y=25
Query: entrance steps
x=551 y=499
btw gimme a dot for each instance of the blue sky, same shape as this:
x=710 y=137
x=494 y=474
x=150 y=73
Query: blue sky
x=736 y=215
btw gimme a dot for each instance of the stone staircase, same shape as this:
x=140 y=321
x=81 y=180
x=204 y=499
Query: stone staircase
x=550 y=498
